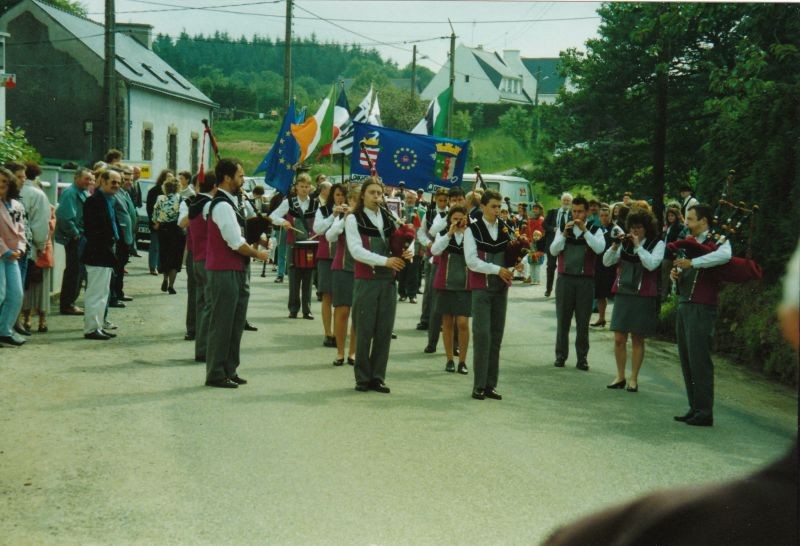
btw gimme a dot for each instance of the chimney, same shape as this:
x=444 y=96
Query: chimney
x=141 y=32
x=511 y=57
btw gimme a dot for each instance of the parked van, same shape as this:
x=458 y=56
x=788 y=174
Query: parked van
x=517 y=189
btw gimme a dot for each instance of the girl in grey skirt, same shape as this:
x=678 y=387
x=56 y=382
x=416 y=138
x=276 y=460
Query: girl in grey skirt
x=453 y=299
x=638 y=255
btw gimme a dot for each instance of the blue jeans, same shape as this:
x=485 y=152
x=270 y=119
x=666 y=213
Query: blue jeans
x=10 y=295
x=152 y=251
x=281 y=253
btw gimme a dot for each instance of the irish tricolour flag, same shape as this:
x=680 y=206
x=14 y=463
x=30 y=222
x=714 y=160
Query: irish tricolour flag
x=316 y=131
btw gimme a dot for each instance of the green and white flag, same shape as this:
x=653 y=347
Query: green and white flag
x=435 y=121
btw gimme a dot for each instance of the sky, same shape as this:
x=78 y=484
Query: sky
x=391 y=27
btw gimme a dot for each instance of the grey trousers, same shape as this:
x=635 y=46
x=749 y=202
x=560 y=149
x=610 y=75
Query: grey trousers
x=374 y=305
x=300 y=290
x=695 y=332
x=229 y=294
x=191 y=309
x=573 y=297
x=427 y=292
x=203 y=308
x=488 y=324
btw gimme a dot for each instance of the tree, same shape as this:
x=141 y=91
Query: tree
x=15 y=147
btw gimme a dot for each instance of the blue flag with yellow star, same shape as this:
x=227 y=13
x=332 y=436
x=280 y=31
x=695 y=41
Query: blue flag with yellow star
x=419 y=161
x=278 y=164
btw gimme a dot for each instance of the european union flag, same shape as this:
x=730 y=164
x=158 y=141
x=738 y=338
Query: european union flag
x=278 y=164
x=419 y=161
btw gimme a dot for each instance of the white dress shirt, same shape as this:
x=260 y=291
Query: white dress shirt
x=438 y=224
x=720 y=256
x=228 y=224
x=441 y=242
x=596 y=241
x=336 y=229
x=183 y=212
x=650 y=260
x=278 y=214
x=471 y=250
x=321 y=223
x=354 y=244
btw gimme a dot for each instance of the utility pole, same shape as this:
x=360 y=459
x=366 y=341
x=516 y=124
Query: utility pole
x=287 y=59
x=452 y=79
x=536 y=104
x=414 y=72
x=109 y=76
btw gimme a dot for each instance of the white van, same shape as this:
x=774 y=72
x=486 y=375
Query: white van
x=517 y=189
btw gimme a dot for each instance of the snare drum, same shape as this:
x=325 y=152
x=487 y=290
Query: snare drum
x=304 y=254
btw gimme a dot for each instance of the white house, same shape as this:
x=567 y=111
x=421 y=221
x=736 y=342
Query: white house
x=59 y=57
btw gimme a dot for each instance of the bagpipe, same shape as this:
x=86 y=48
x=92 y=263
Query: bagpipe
x=729 y=223
x=518 y=247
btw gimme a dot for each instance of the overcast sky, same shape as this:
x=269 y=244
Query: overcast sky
x=525 y=24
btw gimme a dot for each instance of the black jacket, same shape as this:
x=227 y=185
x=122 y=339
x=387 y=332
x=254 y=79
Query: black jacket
x=99 y=232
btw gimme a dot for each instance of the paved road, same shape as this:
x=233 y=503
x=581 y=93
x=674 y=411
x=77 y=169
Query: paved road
x=118 y=442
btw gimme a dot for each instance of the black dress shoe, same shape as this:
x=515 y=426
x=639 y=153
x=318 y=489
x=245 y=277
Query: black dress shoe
x=351 y=361
x=422 y=326
x=20 y=329
x=171 y=291
x=394 y=336
x=582 y=365
x=412 y=300
x=493 y=394
x=329 y=341
x=478 y=394
x=450 y=367
x=249 y=327
x=308 y=316
x=402 y=298
x=699 y=420
x=189 y=337
x=278 y=279
x=72 y=311
x=633 y=388
x=96 y=335
x=222 y=384
x=429 y=349
x=547 y=294
x=360 y=387
x=107 y=333
x=164 y=286
x=462 y=368
x=617 y=385
x=683 y=418
x=126 y=298
x=338 y=362
x=239 y=380
x=199 y=358
x=380 y=386
x=558 y=363
x=8 y=340
x=293 y=315
x=117 y=304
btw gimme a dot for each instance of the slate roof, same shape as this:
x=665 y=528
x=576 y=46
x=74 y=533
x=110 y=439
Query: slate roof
x=551 y=82
x=134 y=62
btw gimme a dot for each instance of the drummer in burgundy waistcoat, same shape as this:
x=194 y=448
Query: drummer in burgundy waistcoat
x=227 y=272
x=323 y=220
x=298 y=212
x=576 y=248
x=697 y=312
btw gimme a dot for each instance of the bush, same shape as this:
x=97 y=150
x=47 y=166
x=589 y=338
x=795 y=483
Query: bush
x=15 y=147
x=747 y=330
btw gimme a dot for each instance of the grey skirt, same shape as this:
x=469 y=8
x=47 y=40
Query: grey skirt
x=454 y=302
x=324 y=277
x=635 y=315
x=342 y=288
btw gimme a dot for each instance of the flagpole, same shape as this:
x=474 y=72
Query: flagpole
x=342 y=161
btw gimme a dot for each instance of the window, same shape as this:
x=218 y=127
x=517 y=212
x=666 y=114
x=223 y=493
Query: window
x=195 y=161
x=147 y=143
x=466 y=78
x=172 y=150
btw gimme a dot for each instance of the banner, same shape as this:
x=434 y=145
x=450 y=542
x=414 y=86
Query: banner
x=418 y=161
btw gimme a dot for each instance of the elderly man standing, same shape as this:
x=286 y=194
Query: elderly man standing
x=554 y=222
x=125 y=212
x=102 y=234
x=69 y=232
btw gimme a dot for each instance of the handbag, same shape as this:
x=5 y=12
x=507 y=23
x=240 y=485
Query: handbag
x=45 y=260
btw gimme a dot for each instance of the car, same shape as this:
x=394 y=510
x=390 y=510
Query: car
x=143 y=226
x=517 y=189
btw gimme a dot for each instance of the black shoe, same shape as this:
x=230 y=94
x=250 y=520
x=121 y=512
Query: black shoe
x=249 y=327
x=422 y=326
x=171 y=291
x=493 y=394
x=338 y=362
x=412 y=300
x=199 y=359
x=136 y=255
x=278 y=279
x=582 y=365
x=450 y=367
x=126 y=298
x=292 y=315
x=329 y=341
x=360 y=387
x=699 y=420
x=189 y=337
x=222 y=384
x=617 y=385
x=632 y=388
x=239 y=380
x=394 y=336
x=477 y=394
x=20 y=329
x=683 y=418
x=117 y=304
x=164 y=286
x=429 y=349
x=8 y=340
x=558 y=363
x=462 y=368
x=547 y=293
x=308 y=316
x=380 y=386
x=402 y=298
x=97 y=335
x=351 y=361
x=107 y=333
